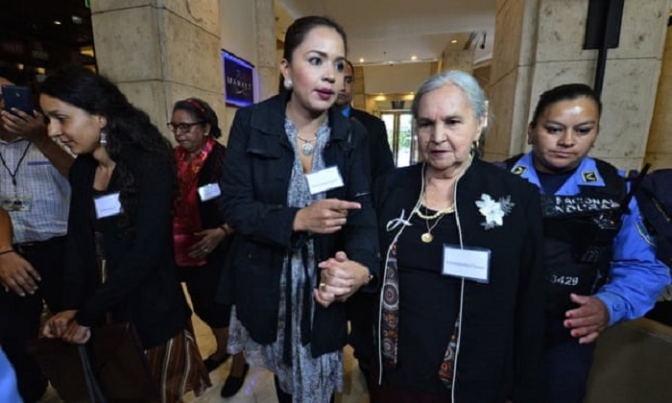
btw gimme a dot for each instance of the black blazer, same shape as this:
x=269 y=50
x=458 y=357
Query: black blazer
x=142 y=285
x=211 y=217
x=502 y=323
x=380 y=153
x=257 y=172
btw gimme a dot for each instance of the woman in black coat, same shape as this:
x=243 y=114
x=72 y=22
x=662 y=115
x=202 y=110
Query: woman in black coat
x=120 y=261
x=296 y=192
x=461 y=310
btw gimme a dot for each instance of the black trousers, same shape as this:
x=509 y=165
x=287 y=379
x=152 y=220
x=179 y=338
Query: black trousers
x=566 y=364
x=20 y=316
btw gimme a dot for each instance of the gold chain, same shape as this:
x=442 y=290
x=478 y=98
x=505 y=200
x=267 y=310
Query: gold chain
x=427 y=237
x=436 y=215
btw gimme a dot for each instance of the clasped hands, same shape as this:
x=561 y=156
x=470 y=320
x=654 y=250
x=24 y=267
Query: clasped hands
x=64 y=326
x=340 y=277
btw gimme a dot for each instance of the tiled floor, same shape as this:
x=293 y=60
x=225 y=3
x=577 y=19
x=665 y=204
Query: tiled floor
x=258 y=387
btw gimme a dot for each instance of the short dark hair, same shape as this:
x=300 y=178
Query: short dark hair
x=296 y=33
x=202 y=112
x=565 y=92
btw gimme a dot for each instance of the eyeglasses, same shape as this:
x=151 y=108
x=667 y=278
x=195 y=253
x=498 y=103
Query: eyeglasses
x=182 y=127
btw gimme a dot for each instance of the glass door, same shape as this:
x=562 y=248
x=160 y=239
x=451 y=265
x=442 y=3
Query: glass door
x=400 y=135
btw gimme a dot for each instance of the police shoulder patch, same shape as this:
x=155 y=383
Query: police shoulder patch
x=519 y=170
x=589 y=176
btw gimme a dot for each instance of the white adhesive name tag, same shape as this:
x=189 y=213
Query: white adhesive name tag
x=468 y=263
x=108 y=205
x=209 y=191
x=326 y=179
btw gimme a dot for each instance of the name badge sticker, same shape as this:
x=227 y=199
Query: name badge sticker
x=209 y=191
x=325 y=179
x=108 y=205
x=467 y=263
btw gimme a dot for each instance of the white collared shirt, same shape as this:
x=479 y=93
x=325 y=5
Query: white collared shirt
x=40 y=180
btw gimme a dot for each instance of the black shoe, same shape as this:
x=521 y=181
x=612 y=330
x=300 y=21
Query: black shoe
x=211 y=364
x=234 y=383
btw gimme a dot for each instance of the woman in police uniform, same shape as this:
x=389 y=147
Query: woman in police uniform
x=601 y=266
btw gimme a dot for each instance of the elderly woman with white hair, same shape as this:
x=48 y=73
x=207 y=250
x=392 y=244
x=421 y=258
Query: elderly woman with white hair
x=461 y=308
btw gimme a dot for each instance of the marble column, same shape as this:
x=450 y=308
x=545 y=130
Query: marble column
x=457 y=60
x=160 y=51
x=267 y=66
x=359 y=97
x=539 y=45
x=659 y=148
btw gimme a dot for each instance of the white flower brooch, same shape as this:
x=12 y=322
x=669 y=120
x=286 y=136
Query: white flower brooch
x=494 y=211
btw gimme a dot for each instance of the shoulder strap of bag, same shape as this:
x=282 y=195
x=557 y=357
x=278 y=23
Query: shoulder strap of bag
x=92 y=386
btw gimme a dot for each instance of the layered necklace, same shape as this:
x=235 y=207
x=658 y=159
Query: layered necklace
x=427 y=237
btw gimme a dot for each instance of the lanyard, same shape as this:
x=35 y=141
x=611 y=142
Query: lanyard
x=18 y=165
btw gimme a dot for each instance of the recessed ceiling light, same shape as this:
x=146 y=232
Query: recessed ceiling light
x=361 y=60
x=453 y=41
x=57 y=22
x=414 y=58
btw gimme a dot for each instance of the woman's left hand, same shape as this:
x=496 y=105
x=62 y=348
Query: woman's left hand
x=211 y=238
x=339 y=279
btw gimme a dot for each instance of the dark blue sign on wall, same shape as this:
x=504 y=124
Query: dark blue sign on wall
x=238 y=80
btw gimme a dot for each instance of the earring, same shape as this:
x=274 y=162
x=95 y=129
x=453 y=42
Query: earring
x=288 y=83
x=103 y=138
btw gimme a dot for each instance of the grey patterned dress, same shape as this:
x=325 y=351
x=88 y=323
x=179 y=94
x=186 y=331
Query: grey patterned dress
x=310 y=380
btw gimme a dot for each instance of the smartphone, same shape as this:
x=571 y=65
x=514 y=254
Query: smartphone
x=17 y=97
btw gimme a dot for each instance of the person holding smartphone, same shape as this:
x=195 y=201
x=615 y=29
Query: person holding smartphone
x=36 y=194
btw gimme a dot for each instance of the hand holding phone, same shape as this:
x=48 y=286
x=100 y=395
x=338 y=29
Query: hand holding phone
x=18 y=97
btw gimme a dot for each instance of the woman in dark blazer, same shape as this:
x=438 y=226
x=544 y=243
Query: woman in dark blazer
x=200 y=233
x=120 y=261
x=461 y=309
x=300 y=249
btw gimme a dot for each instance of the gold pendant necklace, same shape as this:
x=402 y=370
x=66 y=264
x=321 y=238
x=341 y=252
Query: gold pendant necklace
x=427 y=237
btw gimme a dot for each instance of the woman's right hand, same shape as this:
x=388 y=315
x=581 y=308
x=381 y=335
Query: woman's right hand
x=57 y=324
x=324 y=216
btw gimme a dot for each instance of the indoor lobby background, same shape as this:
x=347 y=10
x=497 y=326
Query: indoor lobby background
x=159 y=51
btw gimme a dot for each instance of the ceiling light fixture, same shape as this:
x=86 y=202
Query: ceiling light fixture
x=453 y=41
x=57 y=22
